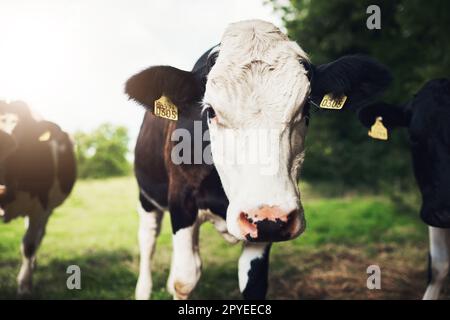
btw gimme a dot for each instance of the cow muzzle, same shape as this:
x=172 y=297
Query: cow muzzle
x=271 y=224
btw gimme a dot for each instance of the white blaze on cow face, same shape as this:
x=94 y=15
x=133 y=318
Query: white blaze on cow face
x=8 y=121
x=258 y=87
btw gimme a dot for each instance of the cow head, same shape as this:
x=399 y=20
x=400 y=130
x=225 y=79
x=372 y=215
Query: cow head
x=254 y=89
x=17 y=127
x=427 y=117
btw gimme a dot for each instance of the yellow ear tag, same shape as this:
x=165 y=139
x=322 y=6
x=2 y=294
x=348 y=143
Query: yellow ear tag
x=330 y=102
x=164 y=108
x=45 y=136
x=378 y=130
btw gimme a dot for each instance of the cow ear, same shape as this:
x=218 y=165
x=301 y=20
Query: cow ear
x=149 y=85
x=358 y=77
x=392 y=116
x=20 y=108
x=46 y=130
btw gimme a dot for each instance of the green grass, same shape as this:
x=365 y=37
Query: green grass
x=96 y=229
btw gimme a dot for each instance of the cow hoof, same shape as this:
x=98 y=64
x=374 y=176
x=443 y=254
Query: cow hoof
x=24 y=291
x=142 y=295
x=24 y=281
x=182 y=290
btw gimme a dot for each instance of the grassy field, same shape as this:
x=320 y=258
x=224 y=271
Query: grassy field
x=96 y=229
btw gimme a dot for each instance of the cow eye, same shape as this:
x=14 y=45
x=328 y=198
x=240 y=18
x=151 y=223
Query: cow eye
x=210 y=113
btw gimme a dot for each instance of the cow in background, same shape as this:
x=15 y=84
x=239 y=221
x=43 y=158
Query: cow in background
x=427 y=118
x=255 y=79
x=37 y=173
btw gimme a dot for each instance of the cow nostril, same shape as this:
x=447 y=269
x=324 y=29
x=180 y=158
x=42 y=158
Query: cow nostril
x=294 y=224
x=292 y=215
x=247 y=225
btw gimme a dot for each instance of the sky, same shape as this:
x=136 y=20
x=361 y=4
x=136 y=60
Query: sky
x=69 y=59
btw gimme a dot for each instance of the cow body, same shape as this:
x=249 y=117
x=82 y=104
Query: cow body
x=37 y=175
x=255 y=80
x=192 y=193
x=427 y=118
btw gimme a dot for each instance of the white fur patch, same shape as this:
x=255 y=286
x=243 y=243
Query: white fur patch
x=440 y=261
x=250 y=252
x=149 y=227
x=185 y=269
x=8 y=121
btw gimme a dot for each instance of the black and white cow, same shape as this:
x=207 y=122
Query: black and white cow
x=37 y=173
x=256 y=80
x=427 y=117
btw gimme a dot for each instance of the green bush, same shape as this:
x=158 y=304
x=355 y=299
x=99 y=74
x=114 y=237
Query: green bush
x=102 y=152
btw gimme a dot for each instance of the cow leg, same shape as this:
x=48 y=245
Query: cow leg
x=150 y=220
x=253 y=270
x=439 y=261
x=185 y=269
x=35 y=226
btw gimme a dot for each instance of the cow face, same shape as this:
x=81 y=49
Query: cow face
x=427 y=117
x=256 y=95
x=254 y=89
x=254 y=98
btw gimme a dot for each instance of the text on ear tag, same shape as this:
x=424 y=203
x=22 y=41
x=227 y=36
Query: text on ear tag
x=378 y=130
x=164 y=108
x=45 y=136
x=330 y=102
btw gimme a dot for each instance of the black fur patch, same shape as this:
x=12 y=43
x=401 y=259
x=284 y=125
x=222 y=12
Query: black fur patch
x=257 y=284
x=427 y=117
x=31 y=167
x=393 y=116
x=269 y=230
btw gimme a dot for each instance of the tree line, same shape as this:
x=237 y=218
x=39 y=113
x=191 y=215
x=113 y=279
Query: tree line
x=413 y=42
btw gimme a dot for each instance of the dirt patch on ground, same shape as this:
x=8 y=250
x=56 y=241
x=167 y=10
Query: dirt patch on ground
x=334 y=272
